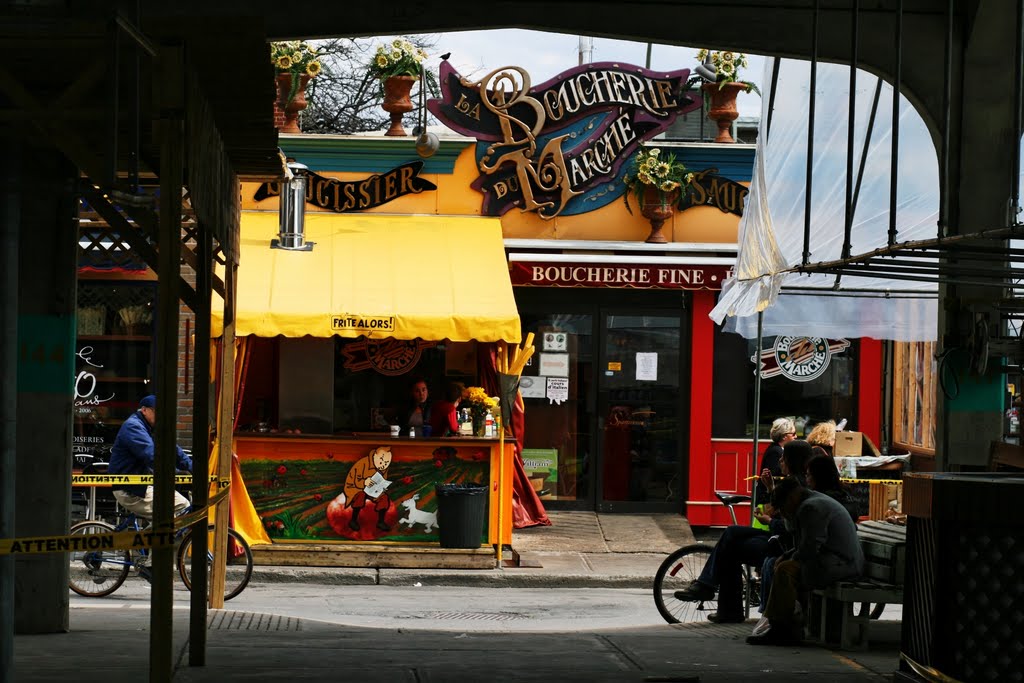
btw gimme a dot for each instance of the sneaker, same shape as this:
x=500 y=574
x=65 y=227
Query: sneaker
x=695 y=592
x=720 y=618
x=778 y=635
x=761 y=627
x=146 y=573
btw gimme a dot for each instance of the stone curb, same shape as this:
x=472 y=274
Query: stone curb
x=497 y=578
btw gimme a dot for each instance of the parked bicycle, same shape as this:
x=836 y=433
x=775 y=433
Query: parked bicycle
x=683 y=567
x=96 y=573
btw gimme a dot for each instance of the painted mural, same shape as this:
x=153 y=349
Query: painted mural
x=357 y=492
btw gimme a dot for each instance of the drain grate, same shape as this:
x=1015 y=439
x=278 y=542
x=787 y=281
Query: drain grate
x=476 y=616
x=251 y=621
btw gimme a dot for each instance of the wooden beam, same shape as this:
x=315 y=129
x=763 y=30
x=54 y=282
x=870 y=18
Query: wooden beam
x=172 y=173
x=225 y=431
x=133 y=235
x=64 y=139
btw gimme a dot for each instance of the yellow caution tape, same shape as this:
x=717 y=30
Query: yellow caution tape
x=872 y=481
x=114 y=540
x=196 y=515
x=119 y=540
x=132 y=479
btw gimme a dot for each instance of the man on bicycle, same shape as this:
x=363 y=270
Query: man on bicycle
x=133 y=453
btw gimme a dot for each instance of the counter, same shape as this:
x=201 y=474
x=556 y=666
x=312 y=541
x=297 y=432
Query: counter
x=304 y=487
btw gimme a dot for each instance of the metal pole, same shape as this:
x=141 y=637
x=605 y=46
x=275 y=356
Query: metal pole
x=895 y=154
x=757 y=406
x=851 y=123
x=11 y=217
x=810 y=135
x=201 y=445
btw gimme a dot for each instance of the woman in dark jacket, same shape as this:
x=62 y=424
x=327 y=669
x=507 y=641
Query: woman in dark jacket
x=782 y=432
x=823 y=477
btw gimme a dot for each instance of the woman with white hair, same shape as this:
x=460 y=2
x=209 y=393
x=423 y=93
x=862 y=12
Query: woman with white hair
x=783 y=431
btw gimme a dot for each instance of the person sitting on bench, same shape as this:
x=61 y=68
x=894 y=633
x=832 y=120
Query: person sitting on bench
x=826 y=550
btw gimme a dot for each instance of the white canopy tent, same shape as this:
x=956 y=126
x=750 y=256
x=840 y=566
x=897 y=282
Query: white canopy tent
x=771 y=233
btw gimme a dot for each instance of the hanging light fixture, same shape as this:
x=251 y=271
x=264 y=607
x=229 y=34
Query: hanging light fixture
x=426 y=143
x=292 y=213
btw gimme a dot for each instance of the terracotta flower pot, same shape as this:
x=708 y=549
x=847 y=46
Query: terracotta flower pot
x=289 y=104
x=397 y=102
x=658 y=207
x=723 y=107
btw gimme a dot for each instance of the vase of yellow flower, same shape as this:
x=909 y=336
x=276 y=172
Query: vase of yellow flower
x=722 y=93
x=657 y=181
x=479 y=404
x=295 y=63
x=397 y=65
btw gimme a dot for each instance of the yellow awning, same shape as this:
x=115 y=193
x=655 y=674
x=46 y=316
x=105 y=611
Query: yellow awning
x=431 y=277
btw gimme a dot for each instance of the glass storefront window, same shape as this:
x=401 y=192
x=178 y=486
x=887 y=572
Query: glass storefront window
x=557 y=440
x=830 y=366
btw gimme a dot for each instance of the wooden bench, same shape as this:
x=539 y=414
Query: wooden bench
x=831 y=618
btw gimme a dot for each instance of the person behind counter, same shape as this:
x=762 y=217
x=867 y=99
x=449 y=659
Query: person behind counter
x=444 y=418
x=417 y=412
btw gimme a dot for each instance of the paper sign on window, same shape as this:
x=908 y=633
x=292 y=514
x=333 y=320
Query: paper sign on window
x=558 y=389
x=647 y=367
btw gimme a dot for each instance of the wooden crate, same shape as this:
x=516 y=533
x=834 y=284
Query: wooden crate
x=881 y=493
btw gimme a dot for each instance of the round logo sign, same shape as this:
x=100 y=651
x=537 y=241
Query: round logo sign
x=393 y=356
x=802 y=358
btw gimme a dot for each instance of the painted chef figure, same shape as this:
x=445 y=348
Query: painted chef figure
x=358 y=486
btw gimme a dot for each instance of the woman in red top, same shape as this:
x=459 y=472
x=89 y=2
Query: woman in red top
x=444 y=420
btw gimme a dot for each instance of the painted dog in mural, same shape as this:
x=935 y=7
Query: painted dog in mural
x=417 y=516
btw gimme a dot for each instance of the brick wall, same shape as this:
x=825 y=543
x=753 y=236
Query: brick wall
x=186 y=365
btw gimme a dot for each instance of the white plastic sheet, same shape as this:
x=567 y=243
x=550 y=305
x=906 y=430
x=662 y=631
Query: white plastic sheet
x=772 y=229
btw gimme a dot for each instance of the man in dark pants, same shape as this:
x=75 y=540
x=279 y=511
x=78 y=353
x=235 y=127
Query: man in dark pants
x=739 y=546
x=827 y=549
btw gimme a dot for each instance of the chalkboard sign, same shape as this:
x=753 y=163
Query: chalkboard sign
x=860 y=491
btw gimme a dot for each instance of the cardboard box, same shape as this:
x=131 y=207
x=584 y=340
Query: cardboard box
x=853 y=444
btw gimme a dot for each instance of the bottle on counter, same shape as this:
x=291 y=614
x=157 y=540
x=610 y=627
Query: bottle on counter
x=488 y=424
x=465 y=423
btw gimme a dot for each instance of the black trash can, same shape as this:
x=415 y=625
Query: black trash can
x=460 y=514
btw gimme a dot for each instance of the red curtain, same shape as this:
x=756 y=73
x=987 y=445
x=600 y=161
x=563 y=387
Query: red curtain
x=527 y=508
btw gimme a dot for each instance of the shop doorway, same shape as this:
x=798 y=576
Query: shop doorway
x=603 y=433
x=640 y=412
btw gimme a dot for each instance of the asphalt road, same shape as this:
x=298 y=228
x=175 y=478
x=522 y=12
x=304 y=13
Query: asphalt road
x=423 y=607
x=440 y=608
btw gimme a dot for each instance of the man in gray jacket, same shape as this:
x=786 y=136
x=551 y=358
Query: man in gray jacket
x=826 y=550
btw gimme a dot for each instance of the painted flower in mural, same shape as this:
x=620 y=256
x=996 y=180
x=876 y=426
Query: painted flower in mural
x=655 y=169
x=318 y=497
x=281 y=469
x=407 y=479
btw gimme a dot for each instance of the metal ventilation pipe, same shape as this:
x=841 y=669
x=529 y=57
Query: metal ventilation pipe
x=292 y=214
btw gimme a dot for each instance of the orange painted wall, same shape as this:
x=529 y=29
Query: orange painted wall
x=455 y=196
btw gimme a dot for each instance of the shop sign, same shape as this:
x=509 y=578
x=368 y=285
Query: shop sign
x=559 y=147
x=386 y=356
x=707 y=188
x=799 y=359
x=345 y=196
x=622 y=276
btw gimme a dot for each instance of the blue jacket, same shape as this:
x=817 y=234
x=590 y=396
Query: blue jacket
x=133 y=451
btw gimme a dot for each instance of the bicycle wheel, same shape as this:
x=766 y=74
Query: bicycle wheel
x=95 y=573
x=239 y=567
x=675 y=573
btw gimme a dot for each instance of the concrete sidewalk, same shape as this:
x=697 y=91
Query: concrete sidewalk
x=109 y=643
